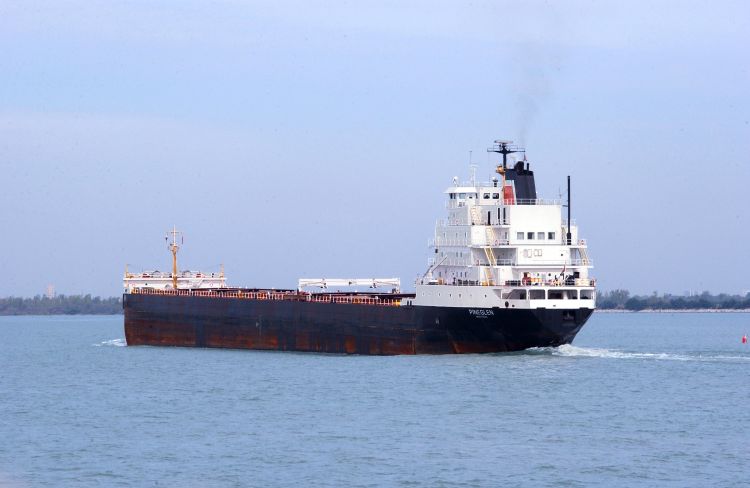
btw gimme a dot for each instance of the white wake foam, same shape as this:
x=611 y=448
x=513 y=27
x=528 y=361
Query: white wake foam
x=568 y=350
x=113 y=342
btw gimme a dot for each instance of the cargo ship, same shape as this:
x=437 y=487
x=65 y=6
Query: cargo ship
x=507 y=272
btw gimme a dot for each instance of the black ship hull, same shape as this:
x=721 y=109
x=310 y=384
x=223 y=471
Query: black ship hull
x=193 y=321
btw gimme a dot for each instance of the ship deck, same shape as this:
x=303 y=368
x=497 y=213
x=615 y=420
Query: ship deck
x=355 y=298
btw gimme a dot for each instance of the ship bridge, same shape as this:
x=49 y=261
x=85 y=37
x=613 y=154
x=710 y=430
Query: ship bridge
x=500 y=234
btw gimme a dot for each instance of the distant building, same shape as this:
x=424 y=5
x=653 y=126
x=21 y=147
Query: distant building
x=51 y=291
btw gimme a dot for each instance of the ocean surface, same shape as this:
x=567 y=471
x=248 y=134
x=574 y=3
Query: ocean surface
x=638 y=400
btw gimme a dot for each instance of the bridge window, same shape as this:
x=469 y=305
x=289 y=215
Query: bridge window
x=495 y=196
x=551 y=236
x=486 y=196
x=530 y=236
x=519 y=236
x=540 y=236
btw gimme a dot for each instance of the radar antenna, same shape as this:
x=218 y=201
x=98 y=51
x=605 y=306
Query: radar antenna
x=173 y=248
x=505 y=148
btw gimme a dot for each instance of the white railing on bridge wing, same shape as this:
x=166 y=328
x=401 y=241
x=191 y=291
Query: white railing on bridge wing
x=448 y=222
x=506 y=202
x=444 y=241
x=511 y=262
x=491 y=242
x=449 y=262
x=537 y=201
x=557 y=262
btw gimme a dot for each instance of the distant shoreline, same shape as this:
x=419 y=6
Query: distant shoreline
x=88 y=314
x=60 y=305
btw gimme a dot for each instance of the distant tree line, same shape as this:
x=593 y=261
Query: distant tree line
x=622 y=300
x=606 y=300
x=60 y=305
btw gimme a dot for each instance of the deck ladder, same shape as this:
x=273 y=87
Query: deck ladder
x=490 y=237
x=476 y=219
x=584 y=256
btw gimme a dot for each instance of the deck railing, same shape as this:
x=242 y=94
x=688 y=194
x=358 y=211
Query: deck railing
x=276 y=295
x=577 y=282
x=485 y=202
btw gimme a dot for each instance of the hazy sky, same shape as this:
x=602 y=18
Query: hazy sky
x=306 y=139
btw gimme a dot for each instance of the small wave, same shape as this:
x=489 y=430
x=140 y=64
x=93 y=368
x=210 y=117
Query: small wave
x=567 y=350
x=113 y=342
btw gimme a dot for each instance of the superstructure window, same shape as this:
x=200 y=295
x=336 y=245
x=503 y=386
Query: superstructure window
x=486 y=196
x=519 y=236
x=515 y=295
x=550 y=236
x=536 y=294
x=530 y=236
x=540 y=236
x=495 y=196
x=562 y=294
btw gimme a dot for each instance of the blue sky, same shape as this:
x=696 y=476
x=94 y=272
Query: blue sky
x=291 y=139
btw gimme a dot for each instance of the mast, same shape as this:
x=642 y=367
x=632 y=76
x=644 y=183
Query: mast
x=173 y=248
x=505 y=148
x=569 y=239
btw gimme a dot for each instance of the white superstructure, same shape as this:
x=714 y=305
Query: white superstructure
x=160 y=280
x=501 y=246
x=391 y=284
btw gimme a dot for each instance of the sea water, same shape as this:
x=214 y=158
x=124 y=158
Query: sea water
x=638 y=399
